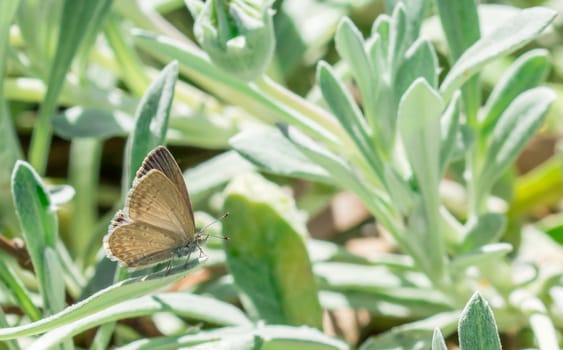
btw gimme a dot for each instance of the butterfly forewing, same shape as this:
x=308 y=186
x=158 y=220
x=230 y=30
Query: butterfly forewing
x=155 y=200
x=161 y=159
x=139 y=244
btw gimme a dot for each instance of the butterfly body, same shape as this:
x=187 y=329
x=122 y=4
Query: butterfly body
x=157 y=223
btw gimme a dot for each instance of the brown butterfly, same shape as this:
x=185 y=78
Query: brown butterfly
x=157 y=223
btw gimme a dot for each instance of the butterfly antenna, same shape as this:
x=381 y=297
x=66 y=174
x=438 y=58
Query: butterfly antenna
x=221 y=218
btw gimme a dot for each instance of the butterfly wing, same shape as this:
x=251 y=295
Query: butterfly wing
x=137 y=245
x=161 y=159
x=158 y=217
x=155 y=200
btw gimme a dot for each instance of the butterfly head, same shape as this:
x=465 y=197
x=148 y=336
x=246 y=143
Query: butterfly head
x=200 y=238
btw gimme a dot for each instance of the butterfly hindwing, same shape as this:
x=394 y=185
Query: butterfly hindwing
x=139 y=244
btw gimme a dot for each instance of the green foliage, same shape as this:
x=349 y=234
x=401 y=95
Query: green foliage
x=380 y=122
x=267 y=255
x=477 y=328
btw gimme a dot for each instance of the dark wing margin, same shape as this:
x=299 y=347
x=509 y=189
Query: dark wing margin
x=118 y=219
x=161 y=159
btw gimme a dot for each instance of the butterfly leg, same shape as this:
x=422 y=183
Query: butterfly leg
x=168 y=267
x=201 y=252
x=187 y=259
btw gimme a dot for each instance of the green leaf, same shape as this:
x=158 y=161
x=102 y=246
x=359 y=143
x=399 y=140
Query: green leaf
x=482 y=230
x=117 y=293
x=37 y=219
x=414 y=335
x=382 y=28
x=420 y=61
x=151 y=121
x=38 y=22
x=506 y=38
x=263 y=97
x=477 y=327
x=267 y=255
x=515 y=127
x=438 y=341
x=400 y=192
x=306 y=338
x=8 y=344
x=383 y=127
x=349 y=115
x=8 y=11
x=54 y=287
x=482 y=256
x=415 y=11
x=460 y=22
x=10 y=152
x=132 y=71
x=90 y=122
x=404 y=303
x=349 y=276
x=449 y=126
x=342 y=173
x=84 y=168
x=419 y=126
x=18 y=291
x=398 y=40
x=545 y=332
x=76 y=19
x=350 y=46
x=525 y=73
x=238 y=36
x=208 y=176
x=381 y=289
x=247 y=338
x=269 y=150
x=10 y=149
x=182 y=304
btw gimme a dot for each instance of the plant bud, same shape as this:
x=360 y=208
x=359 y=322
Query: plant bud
x=237 y=35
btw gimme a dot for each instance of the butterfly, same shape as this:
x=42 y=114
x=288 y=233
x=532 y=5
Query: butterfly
x=157 y=222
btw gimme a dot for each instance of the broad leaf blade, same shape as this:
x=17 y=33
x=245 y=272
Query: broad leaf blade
x=477 y=327
x=38 y=221
x=267 y=255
